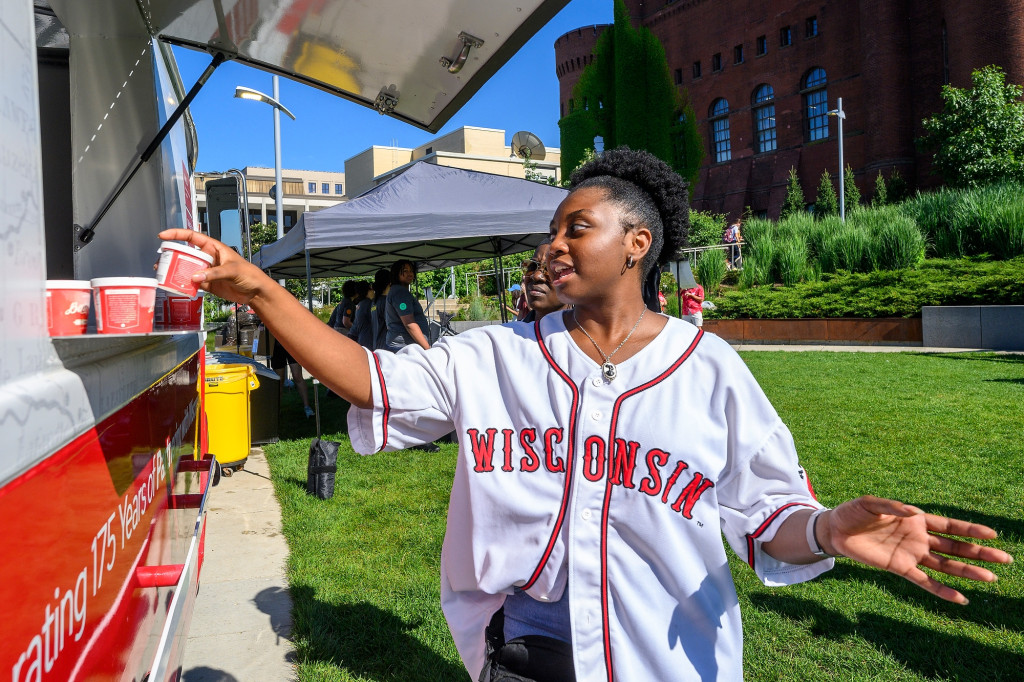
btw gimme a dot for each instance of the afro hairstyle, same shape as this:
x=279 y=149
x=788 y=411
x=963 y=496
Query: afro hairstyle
x=650 y=192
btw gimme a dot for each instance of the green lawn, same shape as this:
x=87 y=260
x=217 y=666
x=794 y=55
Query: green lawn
x=940 y=431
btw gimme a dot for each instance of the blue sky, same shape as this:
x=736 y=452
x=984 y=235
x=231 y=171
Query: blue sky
x=523 y=95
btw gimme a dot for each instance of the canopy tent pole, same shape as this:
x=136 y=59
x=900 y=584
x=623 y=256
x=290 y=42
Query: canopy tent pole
x=499 y=277
x=309 y=304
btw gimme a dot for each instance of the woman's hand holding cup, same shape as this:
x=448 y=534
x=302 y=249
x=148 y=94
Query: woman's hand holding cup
x=231 y=277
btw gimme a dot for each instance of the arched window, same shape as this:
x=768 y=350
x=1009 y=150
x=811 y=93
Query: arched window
x=763 y=104
x=718 y=117
x=815 y=105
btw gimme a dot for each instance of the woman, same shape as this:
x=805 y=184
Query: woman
x=578 y=510
x=381 y=286
x=362 y=326
x=407 y=325
x=540 y=295
x=693 y=305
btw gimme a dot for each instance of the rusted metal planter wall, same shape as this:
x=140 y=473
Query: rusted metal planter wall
x=891 y=331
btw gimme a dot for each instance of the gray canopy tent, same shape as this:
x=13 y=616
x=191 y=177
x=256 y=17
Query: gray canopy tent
x=435 y=216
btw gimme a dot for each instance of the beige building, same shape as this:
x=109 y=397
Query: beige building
x=304 y=190
x=469 y=147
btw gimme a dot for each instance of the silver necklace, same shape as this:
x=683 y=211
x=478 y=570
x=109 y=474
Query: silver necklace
x=608 y=368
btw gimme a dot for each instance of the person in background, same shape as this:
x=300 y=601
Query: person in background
x=362 y=326
x=661 y=300
x=381 y=285
x=281 y=362
x=518 y=309
x=732 y=238
x=693 y=302
x=538 y=292
x=344 y=313
x=406 y=322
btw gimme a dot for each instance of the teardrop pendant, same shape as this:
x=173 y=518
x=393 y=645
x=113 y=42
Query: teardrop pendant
x=609 y=371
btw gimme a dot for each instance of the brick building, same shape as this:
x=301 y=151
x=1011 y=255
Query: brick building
x=762 y=75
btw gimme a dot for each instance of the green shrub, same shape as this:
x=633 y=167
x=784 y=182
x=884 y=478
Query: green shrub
x=881 y=197
x=672 y=305
x=706 y=228
x=667 y=284
x=794 y=203
x=479 y=308
x=851 y=192
x=895 y=243
x=846 y=248
x=817 y=233
x=791 y=259
x=710 y=270
x=883 y=293
x=968 y=222
x=826 y=203
x=758 y=253
x=1005 y=236
x=215 y=309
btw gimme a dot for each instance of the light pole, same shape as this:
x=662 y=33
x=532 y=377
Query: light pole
x=841 y=116
x=248 y=93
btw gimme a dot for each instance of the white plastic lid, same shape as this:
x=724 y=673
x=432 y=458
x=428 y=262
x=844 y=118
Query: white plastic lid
x=123 y=282
x=68 y=284
x=184 y=248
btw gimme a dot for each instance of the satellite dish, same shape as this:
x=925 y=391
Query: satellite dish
x=528 y=146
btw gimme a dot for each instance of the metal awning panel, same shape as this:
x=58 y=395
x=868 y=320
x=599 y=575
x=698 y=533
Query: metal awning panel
x=380 y=53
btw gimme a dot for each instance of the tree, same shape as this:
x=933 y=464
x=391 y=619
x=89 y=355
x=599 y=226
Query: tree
x=978 y=137
x=881 y=194
x=261 y=234
x=627 y=96
x=896 y=188
x=827 y=203
x=531 y=173
x=850 y=192
x=794 y=203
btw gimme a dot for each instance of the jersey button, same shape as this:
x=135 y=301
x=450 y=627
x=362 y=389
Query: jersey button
x=596 y=416
x=586 y=514
x=598 y=381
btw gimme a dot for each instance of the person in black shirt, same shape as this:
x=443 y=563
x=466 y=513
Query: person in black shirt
x=344 y=313
x=362 y=327
x=381 y=285
x=406 y=322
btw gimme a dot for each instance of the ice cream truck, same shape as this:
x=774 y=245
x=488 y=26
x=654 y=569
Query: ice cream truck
x=105 y=472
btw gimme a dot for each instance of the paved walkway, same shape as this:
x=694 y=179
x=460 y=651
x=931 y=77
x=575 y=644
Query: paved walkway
x=242 y=620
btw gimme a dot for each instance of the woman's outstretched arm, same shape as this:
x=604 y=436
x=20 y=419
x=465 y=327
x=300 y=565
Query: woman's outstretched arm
x=894 y=536
x=338 y=362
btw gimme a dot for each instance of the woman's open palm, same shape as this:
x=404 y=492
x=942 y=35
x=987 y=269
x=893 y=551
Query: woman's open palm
x=901 y=539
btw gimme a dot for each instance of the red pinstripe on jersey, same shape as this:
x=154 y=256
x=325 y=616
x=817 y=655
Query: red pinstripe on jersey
x=384 y=397
x=569 y=463
x=606 y=630
x=764 y=526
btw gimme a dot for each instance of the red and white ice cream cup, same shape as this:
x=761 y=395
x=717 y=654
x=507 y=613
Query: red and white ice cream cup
x=183 y=312
x=124 y=305
x=67 y=306
x=178 y=263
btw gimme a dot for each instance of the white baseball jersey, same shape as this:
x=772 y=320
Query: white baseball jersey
x=618 y=491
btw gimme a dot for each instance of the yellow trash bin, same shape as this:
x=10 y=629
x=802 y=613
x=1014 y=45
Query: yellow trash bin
x=228 y=413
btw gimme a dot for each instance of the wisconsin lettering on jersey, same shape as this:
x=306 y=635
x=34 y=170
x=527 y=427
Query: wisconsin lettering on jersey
x=653 y=476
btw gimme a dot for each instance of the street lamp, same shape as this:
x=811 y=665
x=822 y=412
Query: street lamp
x=242 y=92
x=841 y=116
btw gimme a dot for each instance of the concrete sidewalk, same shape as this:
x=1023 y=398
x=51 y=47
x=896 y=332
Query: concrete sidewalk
x=242 y=620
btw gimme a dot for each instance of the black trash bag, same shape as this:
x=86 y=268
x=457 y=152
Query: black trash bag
x=323 y=464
